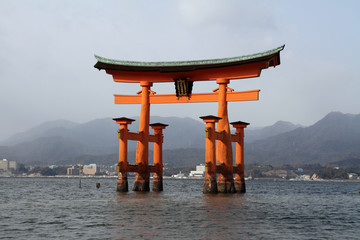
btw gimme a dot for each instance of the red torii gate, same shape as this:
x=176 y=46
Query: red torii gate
x=184 y=74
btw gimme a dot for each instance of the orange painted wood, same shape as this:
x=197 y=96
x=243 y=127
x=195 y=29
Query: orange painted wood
x=138 y=136
x=136 y=168
x=252 y=95
x=153 y=138
x=210 y=161
x=236 y=72
x=223 y=148
x=123 y=131
x=239 y=156
x=239 y=159
x=135 y=136
x=236 y=169
x=132 y=168
x=142 y=149
x=235 y=137
x=158 y=137
x=219 y=135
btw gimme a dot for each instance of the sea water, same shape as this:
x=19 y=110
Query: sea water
x=56 y=208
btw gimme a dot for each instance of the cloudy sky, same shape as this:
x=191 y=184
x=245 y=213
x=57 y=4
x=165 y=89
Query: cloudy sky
x=47 y=56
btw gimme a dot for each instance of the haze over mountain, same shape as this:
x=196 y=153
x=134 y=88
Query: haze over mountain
x=43 y=144
x=101 y=134
x=336 y=137
x=44 y=129
x=265 y=132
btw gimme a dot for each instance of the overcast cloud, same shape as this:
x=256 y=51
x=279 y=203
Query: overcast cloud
x=47 y=56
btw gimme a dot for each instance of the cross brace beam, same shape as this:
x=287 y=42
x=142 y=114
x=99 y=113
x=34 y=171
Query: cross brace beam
x=252 y=95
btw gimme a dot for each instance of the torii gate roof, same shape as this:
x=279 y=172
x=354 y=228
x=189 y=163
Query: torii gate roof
x=231 y=68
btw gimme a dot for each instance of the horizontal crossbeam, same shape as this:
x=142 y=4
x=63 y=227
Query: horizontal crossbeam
x=139 y=168
x=235 y=138
x=252 y=95
x=220 y=168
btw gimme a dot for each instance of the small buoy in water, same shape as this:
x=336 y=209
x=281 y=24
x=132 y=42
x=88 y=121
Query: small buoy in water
x=97 y=185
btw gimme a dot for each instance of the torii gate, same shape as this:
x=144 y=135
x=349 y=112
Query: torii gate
x=183 y=74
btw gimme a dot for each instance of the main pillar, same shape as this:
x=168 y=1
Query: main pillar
x=224 y=157
x=210 y=185
x=239 y=157
x=142 y=178
x=122 y=182
x=158 y=163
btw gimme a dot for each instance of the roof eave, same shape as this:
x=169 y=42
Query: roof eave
x=184 y=66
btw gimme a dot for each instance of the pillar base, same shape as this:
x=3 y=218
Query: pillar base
x=122 y=186
x=157 y=186
x=122 y=182
x=226 y=187
x=143 y=186
x=240 y=187
x=210 y=187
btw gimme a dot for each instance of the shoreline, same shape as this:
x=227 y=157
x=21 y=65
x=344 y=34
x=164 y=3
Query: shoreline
x=193 y=178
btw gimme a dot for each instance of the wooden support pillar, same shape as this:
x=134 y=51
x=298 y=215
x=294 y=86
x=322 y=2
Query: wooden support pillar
x=210 y=185
x=224 y=157
x=239 y=156
x=158 y=163
x=122 y=183
x=142 y=177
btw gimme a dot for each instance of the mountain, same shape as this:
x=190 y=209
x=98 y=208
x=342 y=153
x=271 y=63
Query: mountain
x=63 y=141
x=172 y=158
x=333 y=138
x=104 y=159
x=39 y=131
x=182 y=132
x=101 y=134
x=276 y=129
x=352 y=164
x=45 y=150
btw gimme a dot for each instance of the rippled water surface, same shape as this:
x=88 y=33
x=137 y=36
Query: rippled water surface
x=56 y=208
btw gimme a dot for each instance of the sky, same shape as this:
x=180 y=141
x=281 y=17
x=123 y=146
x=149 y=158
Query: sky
x=47 y=56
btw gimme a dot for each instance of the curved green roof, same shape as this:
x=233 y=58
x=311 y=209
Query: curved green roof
x=111 y=64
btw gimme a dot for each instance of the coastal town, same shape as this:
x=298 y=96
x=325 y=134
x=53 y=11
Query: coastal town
x=10 y=168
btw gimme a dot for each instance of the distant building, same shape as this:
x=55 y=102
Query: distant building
x=90 y=169
x=199 y=172
x=305 y=177
x=73 y=171
x=314 y=177
x=276 y=173
x=6 y=165
x=12 y=165
x=353 y=176
x=179 y=175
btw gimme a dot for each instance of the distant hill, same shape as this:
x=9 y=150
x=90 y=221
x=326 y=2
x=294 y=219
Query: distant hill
x=279 y=127
x=44 y=143
x=101 y=134
x=352 y=164
x=45 y=150
x=40 y=131
x=333 y=138
x=172 y=158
